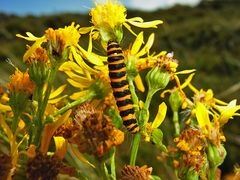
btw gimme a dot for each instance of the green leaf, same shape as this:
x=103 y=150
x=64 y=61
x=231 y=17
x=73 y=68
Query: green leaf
x=114 y=115
x=156 y=138
x=153 y=177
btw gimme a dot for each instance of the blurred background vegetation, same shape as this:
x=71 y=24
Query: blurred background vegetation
x=205 y=37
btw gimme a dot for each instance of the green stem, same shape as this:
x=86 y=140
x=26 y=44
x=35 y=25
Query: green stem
x=148 y=99
x=134 y=149
x=212 y=173
x=89 y=95
x=15 y=122
x=113 y=168
x=134 y=95
x=176 y=123
x=42 y=106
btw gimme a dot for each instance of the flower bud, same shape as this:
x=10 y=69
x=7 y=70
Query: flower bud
x=157 y=78
x=175 y=100
x=38 y=73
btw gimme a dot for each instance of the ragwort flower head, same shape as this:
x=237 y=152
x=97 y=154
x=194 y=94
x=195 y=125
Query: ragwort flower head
x=60 y=41
x=21 y=82
x=97 y=133
x=5 y=165
x=63 y=37
x=136 y=172
x=192 y=144
x=108 y=19
x=43 y=167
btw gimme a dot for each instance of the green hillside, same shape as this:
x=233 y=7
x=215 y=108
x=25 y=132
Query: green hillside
x=206 y=38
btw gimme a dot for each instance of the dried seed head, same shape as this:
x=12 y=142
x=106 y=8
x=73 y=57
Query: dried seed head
x=43 y=167
x=136 y=173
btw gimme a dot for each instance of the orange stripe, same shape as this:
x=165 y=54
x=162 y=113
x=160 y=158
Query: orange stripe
x=124 y=78
x=126 y=107
x=135 y=130
x=130 y=116
x=123 y=98
x=117 y=62
x=118 y=70
x=120 y=89
x=114 y=54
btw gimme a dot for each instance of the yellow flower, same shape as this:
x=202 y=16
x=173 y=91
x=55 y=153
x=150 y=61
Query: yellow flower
x=137 y=56
x=83 y=77
x=227 y=112
x=21 y=82
x=161 y=114
x=108 y=19
x=60 y=39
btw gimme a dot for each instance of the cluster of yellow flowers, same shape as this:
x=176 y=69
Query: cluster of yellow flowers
x=83 y=121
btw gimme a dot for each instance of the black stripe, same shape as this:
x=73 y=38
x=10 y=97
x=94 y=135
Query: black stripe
x=129 y=122
x=116 y=75
x=121 y=94
x=132 y=128
x=119 y=84
x=124 y=102
x=116 y=66
x=115 y=51
x=127 y=112
x=115 y=58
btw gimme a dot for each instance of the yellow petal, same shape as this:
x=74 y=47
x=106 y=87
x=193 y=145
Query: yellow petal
x=186 y=71
x=57 y=92
x=141 y=104
x=21 y=124
x=79 y=155
x=91 y=57
x=137 y=43
x=187 y=81
x=85 y=30
x=4 y=108
x=139 y=83
x=162 y=110
x=129 y=29
x=228 y=111
x=61 y=146
x=82 y=84
x=56 y=100
x=6 y=128
x=77 y=95
x=203 y=117
x=49 y=130
x=137 y=19
x=150 y=24
x=69 y=66
x=29 y=37
x=32 y=48
x=147 y=46
x=193 y=88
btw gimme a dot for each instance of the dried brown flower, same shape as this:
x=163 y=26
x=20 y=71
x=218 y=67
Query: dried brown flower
x=136 y=173
x=43 y=167
x=97 y=133
x=5 y=165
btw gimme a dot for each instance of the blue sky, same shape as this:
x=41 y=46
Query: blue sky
x=38 y=7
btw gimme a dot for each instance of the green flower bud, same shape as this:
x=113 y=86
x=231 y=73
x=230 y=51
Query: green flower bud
x=39 y=72
x=215 y=154
x=157 y=78
x=175 y=100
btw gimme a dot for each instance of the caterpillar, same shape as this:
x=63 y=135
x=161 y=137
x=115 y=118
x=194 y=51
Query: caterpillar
x=120 y=87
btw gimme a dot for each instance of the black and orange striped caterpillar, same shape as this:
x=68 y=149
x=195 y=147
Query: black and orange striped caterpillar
x=120 y=87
